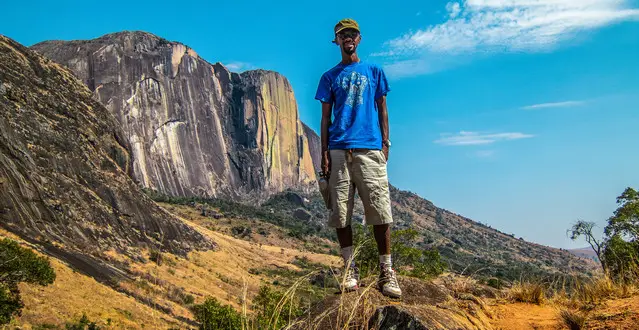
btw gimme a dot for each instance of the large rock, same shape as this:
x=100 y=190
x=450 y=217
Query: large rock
x=424 y=305
x=65 y=166
x=195 y=128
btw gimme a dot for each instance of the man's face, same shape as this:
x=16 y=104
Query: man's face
x=348 y=40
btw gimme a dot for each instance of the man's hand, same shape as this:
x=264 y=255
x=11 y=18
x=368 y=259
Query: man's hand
x=326 y=163
x=385 y=150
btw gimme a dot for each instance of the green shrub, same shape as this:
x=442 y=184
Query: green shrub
x=156 y=256
x=212 y=315
x=189 y=299
x=495 y=283
x=18 y=264
x=83 y=324
x=273 y=309
x=408 y=258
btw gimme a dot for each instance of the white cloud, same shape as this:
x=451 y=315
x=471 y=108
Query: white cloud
x=464 y=138
x=564 y=104
x=239 y=66
x=487 y=26
x=453 y=9
x=496 y=25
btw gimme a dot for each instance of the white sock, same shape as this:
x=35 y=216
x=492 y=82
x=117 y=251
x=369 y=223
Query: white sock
x=385 y=260
x=347 y=254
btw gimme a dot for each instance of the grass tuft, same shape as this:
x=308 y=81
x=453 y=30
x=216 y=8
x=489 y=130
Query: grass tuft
x=574 y=320
x=528 y=292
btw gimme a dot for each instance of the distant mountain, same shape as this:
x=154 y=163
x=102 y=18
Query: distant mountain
x=586 y=252
x=195 y=129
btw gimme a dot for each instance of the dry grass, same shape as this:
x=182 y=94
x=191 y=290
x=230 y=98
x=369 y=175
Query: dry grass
x=574 y=320
x=73 y=294
x=528 y=292
x=223 y=274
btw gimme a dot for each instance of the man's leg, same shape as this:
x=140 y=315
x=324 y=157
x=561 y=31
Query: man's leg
x=382 y=236
x=345 y=236
x=371 y=179
x=342 y=197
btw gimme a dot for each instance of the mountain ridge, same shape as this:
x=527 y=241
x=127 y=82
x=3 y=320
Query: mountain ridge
x=197 y=128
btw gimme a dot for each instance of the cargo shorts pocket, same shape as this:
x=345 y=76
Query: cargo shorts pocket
x=382 y=157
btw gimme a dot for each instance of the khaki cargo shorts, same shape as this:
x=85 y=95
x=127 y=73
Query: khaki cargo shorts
x=364 y=170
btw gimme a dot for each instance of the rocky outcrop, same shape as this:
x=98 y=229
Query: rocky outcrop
x=424 y=305
x=65 y=169
x=315 y=145
x=195 y=129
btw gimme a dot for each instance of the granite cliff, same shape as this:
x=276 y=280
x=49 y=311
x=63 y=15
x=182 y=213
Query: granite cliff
x=195 y=128
x=65 y=171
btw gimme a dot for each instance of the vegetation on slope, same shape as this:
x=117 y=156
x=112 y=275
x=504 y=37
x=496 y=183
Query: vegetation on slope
x=18 y=264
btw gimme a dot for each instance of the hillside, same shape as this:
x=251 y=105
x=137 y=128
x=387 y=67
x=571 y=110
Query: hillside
x=161 y=293
x=467 y=246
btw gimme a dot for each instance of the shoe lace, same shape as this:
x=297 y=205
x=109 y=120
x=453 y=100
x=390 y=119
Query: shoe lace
x=351 y=272
x=390 y=278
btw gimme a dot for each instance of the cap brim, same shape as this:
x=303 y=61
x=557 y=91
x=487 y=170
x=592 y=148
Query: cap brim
x=346 y=27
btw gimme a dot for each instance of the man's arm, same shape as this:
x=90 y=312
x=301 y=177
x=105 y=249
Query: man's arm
x=326 y=123
x=382 y=112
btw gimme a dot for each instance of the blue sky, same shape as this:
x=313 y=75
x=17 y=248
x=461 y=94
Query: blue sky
x=522 y=114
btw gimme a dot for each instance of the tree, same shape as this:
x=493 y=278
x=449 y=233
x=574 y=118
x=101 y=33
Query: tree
x=625 y=220
x=584 y=228
x=618 y=251
x=622 y=259
x=18 y=264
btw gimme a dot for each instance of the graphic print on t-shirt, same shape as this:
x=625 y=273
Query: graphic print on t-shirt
x=355 y=85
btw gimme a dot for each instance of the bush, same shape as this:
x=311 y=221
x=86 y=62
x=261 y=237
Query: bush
x=495 y=283
x=212 y=315
x=156 y=256
x=241 y=231
x=83 y=324
x=18 y=264
x=273 y=309
x=408 y=258
x=622 y=259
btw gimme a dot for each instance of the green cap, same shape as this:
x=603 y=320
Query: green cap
x=346 y=23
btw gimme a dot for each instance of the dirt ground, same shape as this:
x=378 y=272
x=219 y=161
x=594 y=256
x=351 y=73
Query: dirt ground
x=612 y=314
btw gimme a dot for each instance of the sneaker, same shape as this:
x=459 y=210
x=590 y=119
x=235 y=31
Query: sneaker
x=351 y=279
x=387 y=283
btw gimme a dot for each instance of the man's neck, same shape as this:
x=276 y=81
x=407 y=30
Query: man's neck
x=349 y=59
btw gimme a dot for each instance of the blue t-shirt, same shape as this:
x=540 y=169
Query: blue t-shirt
x=352 y=90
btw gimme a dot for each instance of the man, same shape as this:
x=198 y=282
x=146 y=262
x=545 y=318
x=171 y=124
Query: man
x=355 y=150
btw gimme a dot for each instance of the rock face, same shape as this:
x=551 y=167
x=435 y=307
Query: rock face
x=65 y=168
x=195 y=129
